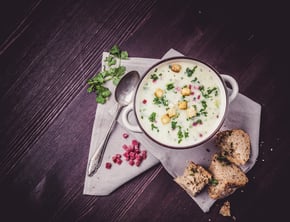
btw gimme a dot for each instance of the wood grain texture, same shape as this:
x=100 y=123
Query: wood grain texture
x=48 y=49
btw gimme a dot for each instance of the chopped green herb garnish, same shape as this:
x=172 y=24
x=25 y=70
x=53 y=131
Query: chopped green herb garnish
x=186 y=134
x=223 y=160
x=203 y=111
x=162 y=100
x=179 y=134
x=154 y=127
x=194 y=80
x=209 y=91
x=199 y=121
x=189 y=71
x=173 y=124
x=170 y=86
x=213 y=182
x=152 y=117
x=154 y=76
x=204 y=105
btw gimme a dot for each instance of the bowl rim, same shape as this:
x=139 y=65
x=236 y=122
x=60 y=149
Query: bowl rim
x=208 y=137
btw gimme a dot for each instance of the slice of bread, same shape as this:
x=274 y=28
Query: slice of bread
x=235 y=145
x=194 y=178
x=227 y=176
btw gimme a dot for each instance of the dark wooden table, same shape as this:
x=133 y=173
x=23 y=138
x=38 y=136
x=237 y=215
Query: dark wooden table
x=48 y=49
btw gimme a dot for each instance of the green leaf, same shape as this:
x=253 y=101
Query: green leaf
x=110 y=60
x=106 y=93
x=115 y=50
x=120 y=71
x=114 y=74
x=100 y=99
x=116 y=81
x=124 y=55
x=90 y=89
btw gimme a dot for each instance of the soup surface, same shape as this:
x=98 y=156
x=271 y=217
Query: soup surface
x=180 y=103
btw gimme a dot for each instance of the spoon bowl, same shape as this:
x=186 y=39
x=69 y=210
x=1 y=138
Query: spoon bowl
x=124 y=92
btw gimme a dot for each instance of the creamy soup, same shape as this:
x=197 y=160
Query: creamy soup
x=180 y=103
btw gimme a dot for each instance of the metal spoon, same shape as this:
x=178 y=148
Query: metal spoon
x=123 y=95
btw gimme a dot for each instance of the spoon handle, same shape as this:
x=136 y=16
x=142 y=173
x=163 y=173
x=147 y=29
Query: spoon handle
x=97 y=157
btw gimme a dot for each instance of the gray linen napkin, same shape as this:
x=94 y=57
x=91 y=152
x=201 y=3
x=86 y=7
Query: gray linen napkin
x=105 y=180
x=243 y=113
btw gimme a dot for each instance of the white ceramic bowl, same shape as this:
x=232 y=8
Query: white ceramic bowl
x=180 y=102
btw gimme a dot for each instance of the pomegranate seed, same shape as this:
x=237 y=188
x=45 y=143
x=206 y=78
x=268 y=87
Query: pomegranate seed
x=118 y=155
x=125 y=135
x=131 y=153
x=144 y=101
x=198 y=97
x=119 y=161
x=131 y=162
x=144 y=154
x=138 y=163
x=139 y=157
x=108 y=165
x=130 y=148
x=135 y=143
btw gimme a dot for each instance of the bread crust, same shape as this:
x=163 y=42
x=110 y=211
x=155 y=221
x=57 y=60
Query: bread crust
x=193 y=179
x=229 y=177
x=235 y=145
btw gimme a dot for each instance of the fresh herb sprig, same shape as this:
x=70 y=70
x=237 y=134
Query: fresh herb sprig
x=113 y=73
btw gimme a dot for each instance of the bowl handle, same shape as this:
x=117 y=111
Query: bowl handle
x=234 y=85
x=125 y=120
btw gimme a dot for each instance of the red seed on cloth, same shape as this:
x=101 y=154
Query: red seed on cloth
x=132 y=154
x=108 y=165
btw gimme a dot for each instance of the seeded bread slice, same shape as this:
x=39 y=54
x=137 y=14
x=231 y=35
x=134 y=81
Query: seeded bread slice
x=235 y=145
x=194 y=178
x=227 y=177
